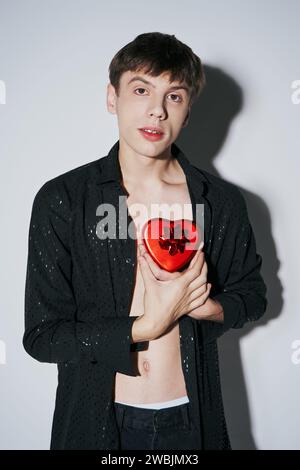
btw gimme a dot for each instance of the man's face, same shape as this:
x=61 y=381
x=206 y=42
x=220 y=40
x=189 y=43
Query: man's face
x=155 y=103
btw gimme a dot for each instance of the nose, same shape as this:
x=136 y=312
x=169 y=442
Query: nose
x=158 y=111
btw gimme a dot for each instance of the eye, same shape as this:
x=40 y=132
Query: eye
x=172 y=94
x=178 y=96
x=139 y=89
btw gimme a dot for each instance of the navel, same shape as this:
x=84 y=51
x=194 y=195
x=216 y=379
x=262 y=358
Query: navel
x=146 y=365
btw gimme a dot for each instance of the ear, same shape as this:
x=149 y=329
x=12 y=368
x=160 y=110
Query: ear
x=111 y=99
x=186 y=120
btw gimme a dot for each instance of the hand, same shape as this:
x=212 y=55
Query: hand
x=167 y=295
x=210 y=310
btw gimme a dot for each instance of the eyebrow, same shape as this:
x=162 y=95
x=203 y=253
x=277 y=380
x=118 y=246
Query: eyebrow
x=139 y=78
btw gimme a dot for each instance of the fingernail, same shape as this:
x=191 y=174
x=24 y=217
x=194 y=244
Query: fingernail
x=201 y=245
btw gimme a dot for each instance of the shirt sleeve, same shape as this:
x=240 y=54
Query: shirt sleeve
x=53 y=332
x=243 y=292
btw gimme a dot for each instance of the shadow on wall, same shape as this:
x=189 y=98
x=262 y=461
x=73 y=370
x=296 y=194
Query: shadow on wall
x=201 y=140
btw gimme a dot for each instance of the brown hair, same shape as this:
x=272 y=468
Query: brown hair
x=157 y=53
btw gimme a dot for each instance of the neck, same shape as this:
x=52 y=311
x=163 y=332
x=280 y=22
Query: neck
x=147 y=170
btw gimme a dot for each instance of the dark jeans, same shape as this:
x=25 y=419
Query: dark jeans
x=149 y=429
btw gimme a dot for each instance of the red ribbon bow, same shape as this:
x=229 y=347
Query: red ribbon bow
x=173 y=244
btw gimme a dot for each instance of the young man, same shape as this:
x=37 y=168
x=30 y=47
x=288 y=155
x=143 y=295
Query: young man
x=135 y=345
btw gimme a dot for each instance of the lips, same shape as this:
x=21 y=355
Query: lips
x=149 y=136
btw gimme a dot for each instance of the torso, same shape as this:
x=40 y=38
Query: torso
x=159 y=375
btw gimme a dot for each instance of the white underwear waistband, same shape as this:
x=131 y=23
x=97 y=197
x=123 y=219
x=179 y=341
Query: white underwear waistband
x=157 y=406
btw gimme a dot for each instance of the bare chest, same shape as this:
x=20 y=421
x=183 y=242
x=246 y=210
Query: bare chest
x=173 y=203
x=159 y=366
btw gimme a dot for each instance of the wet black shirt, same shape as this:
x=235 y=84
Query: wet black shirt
x=79 y=289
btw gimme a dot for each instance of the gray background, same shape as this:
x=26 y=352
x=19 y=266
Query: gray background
x=54 y=58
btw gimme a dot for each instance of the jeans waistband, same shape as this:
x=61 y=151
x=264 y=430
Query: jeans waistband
x=144 y=418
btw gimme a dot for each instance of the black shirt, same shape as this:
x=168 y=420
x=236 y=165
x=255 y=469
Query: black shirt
x=79 y=289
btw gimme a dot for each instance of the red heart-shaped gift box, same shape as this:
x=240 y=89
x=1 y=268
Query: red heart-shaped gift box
x=171 y=243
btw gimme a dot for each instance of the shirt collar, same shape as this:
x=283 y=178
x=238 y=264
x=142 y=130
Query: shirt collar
x=111 y=170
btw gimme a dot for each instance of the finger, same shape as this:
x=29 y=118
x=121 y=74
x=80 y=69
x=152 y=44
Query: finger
x=153 y=265
x=191 y=263
x=195 y=267
x=199 y=263
x=199 y=251
x=200 y=300
x=202 y=289
x=201 y=275
x=160 y=273
x=196 y=259
x=198 y=282
x=155 y=268
x=141 y=245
